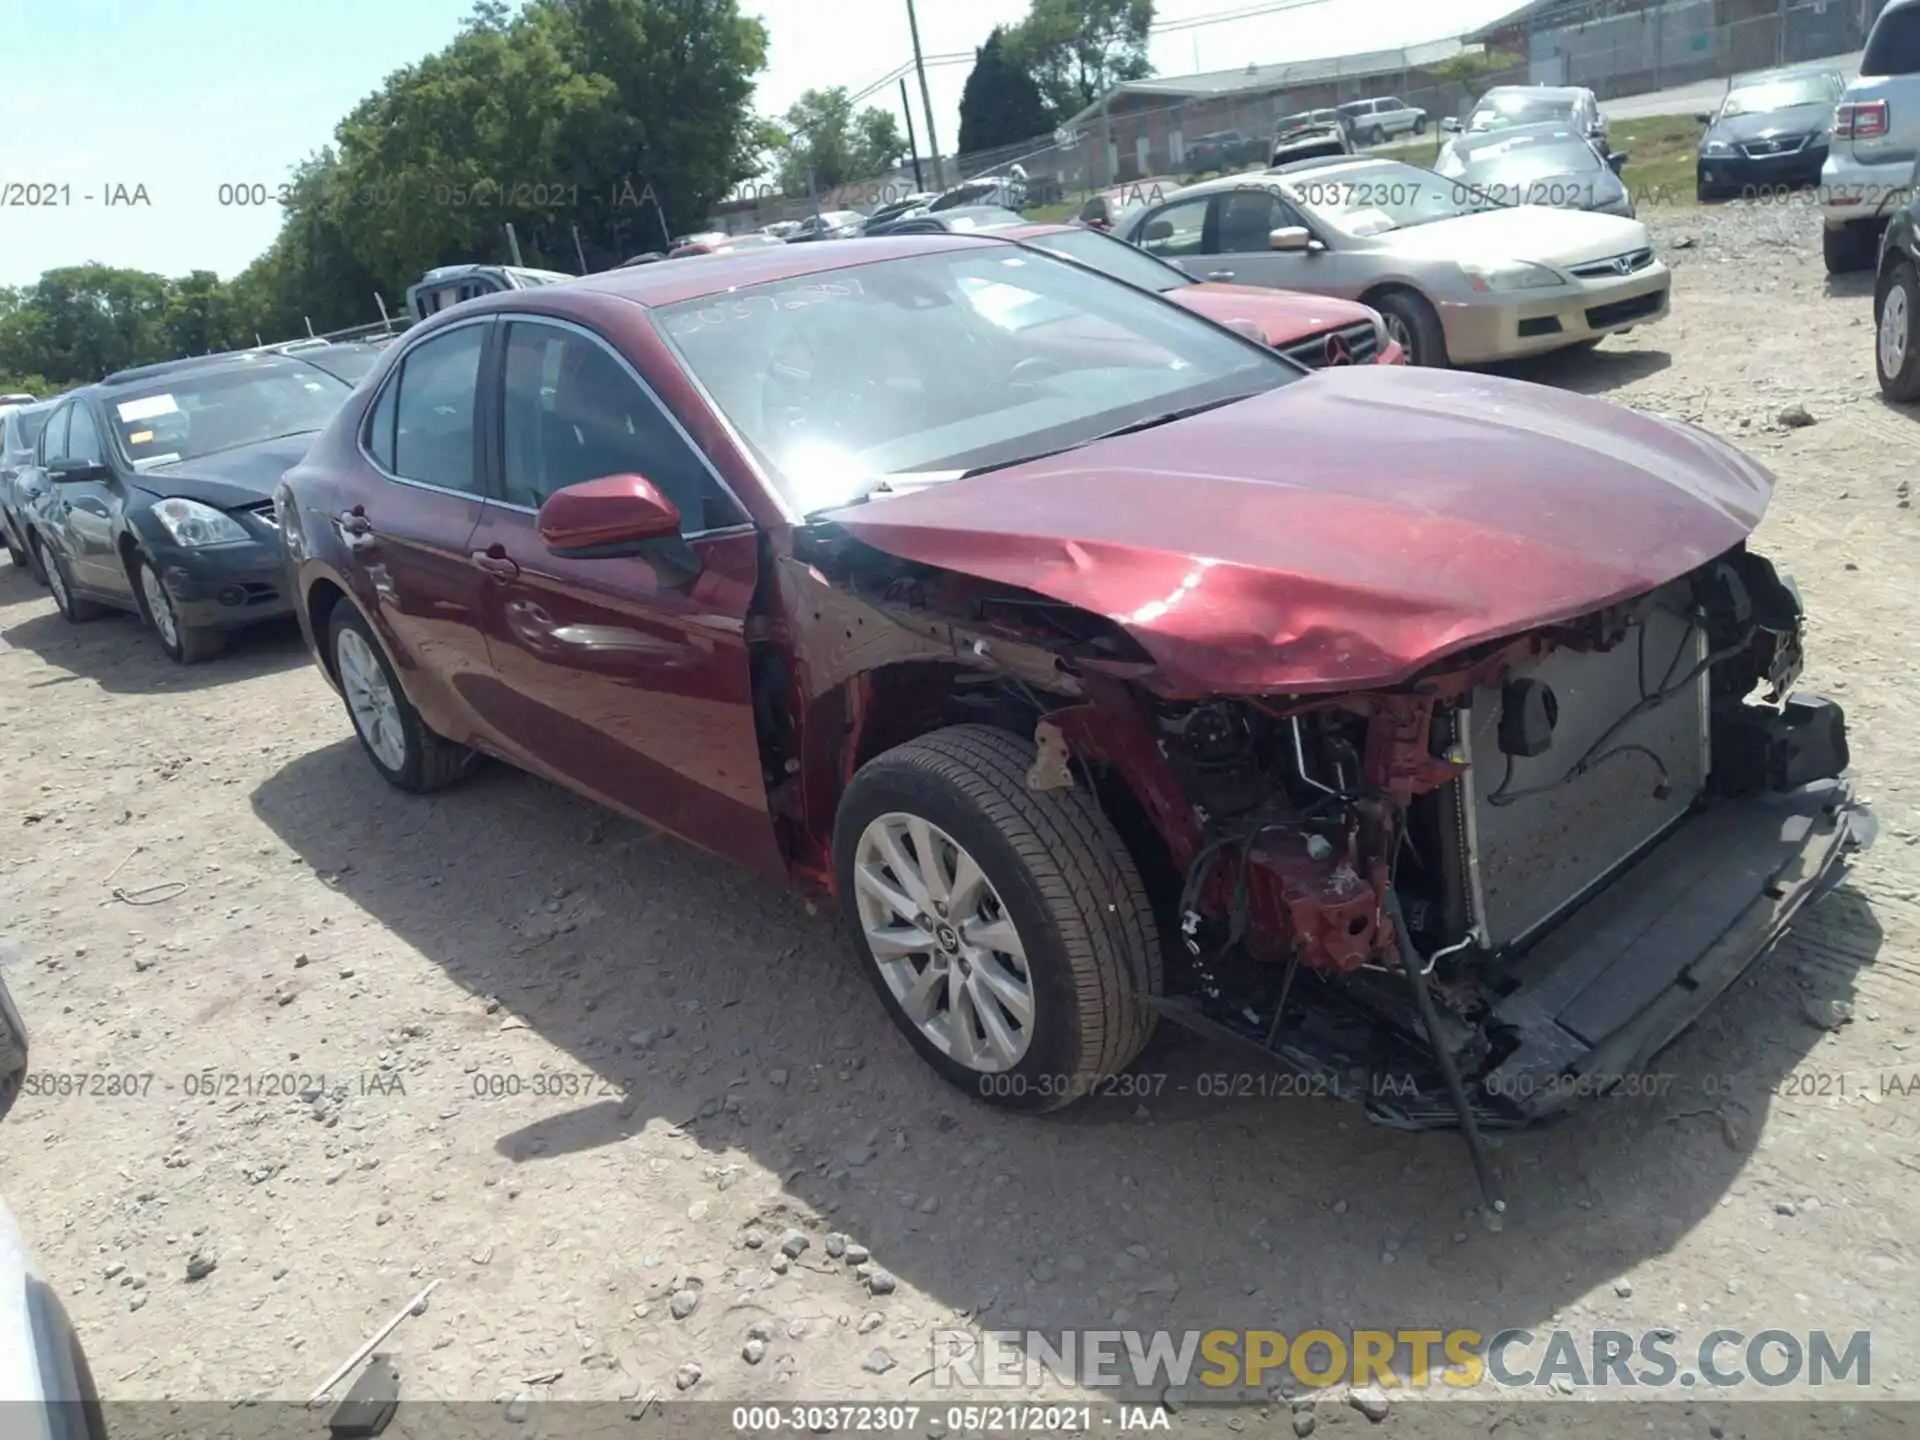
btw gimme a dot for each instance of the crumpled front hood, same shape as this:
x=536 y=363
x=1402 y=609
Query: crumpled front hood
x=1343 y=531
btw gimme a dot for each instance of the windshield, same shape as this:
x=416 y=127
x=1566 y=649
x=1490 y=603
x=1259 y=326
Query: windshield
x=182 y=417
x=1124 y=262
x=1777 y=95
x=1496 y=113
x=938 y=364
x=1518 y=159
x=1374 y=199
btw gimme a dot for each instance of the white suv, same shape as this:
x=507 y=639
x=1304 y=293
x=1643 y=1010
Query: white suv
x=1371 y=121
x=1876 y=134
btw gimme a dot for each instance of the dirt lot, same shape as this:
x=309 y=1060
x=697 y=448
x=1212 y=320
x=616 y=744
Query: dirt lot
x=424 y=958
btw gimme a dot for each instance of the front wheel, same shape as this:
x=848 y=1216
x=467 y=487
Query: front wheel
x=185 y=644
x=408 y=755
x=1412 y=322
x=1896 y=350
x=1006 y=929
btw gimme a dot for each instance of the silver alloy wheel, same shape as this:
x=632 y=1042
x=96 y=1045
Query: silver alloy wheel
x=159 y=606
x=1896 y=319
x=944 y=942
x=56 y=582
x=376 y=714
x=1400 y=333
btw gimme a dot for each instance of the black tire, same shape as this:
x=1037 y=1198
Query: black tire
x=73 y=609
x=1900 y=285
x=1422 y=325
x=1849 y=248
x=1420 y=125
x=190 y=644
x=1703 y=193
x=1375 y=136
x=431 y=761
x=1066 y=882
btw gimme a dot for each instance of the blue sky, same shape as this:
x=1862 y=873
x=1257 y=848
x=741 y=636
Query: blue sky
x=183 y=96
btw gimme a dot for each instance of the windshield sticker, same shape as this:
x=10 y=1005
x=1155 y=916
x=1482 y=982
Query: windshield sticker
x=146 y=408
x=140 y=437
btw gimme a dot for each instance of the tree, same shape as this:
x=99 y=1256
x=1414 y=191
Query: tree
x=1077 y=50
x=1001 y=104
x=829 y=144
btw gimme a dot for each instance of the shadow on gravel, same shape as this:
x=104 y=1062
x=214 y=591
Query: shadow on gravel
x=118 y=653
x=1856 y=286
x=1587 y=372
x=17 y=587
x=727 y=1011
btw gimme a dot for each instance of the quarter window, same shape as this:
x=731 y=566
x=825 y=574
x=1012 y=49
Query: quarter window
x=1177 y=230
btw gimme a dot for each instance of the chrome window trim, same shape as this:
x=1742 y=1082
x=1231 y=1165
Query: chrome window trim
x=699 y=452
x=479 y=496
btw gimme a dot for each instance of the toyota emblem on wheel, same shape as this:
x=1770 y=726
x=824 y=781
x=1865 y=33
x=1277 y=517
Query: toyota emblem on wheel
x=1338 y=351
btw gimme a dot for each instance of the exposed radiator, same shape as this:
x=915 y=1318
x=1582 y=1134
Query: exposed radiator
x=1530 y=860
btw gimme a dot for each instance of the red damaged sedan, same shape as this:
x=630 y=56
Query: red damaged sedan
x=1430 y=735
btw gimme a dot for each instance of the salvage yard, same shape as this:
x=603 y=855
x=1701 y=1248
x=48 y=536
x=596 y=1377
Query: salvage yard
x=589 y=1079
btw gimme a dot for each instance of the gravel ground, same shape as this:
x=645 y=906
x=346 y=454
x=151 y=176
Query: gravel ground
x=596 y=1083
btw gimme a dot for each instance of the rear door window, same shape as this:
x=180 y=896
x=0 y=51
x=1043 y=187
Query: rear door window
x=433 y=433
x=1894 y=46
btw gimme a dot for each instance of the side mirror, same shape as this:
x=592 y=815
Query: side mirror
x=1291 y=237
x=1450 y=125
x=72 y=472
x=602 y=519
x=1617 y=161
x=1158 y=230
x=1703 y=118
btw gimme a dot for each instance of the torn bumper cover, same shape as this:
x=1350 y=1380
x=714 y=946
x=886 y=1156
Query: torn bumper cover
x=1598 y=1001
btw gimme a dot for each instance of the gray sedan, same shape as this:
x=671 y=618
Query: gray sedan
x=1457 y=279
x=1538 y=165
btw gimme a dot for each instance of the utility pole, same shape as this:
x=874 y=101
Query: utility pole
x=913 y=145
x=926 y=99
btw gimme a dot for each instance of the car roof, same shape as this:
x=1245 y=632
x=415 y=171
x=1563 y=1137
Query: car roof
x=1324 y=162
x=1784 y=72
x=670 y=282
x=1541 y=92
x=224 y=360
x=1539 y=130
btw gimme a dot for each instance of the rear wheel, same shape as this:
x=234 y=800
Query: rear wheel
x=1896 y=350
x=60 y=581
x=1412 y=322
x=14 y=552
x=408 y=755
x=1848 y=248
x=1006 y=929
x=185 y=644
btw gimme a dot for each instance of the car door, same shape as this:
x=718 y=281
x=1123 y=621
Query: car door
x=625 y=678
x=1239 y=251
x=409 y=516
x=88 y=511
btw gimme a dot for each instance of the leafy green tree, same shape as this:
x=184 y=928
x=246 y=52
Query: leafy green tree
x=1001 y=104
x=832 y=144
x=80 y=322
x=1077 y=50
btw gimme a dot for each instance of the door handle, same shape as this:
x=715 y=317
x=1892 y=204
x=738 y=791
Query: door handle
x=354 y=523
x=495 y=561
x=1219 y=275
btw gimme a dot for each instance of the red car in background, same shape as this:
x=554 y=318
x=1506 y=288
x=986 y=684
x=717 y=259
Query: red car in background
x=1100 y=680
x=724 y=244
x=1315 y=330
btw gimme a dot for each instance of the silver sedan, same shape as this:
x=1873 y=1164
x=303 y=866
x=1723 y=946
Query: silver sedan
x=1459 y=279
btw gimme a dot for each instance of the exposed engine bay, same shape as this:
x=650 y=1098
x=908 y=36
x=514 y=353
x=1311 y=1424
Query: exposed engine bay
x=1389 y=890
